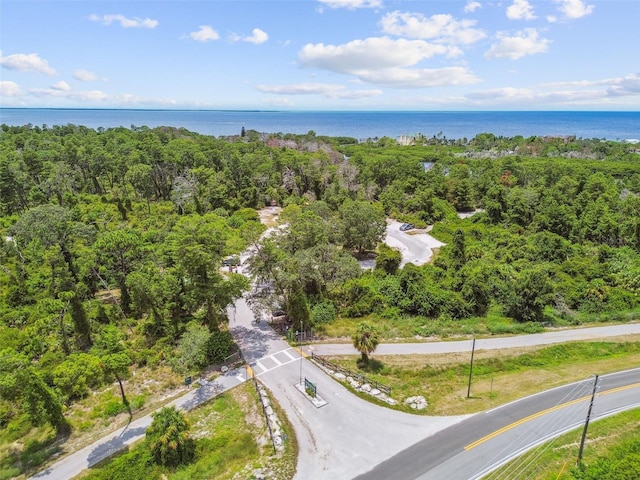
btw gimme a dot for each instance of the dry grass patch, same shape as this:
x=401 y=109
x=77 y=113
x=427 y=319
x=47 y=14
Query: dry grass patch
x=499 y=376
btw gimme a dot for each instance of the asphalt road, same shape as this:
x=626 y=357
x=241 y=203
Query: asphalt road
x=349 y=436
x=484 y=442
x=497 y=343
x=341 y=439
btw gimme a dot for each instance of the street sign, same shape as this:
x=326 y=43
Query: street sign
x=310 y=388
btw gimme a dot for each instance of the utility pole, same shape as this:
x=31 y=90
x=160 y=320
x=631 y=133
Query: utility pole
x=586 y=423
x=300 y=348
x=473 y=349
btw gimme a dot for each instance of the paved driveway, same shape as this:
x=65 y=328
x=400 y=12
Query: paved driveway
x=342 y=439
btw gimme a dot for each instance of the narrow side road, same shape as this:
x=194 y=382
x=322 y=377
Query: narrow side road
x=546 y=338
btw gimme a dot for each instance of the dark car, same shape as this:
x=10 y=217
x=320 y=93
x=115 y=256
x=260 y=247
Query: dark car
x=407 y=226
x=231 y=262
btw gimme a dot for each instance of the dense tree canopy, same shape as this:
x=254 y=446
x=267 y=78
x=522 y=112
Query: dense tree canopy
x=114 y=242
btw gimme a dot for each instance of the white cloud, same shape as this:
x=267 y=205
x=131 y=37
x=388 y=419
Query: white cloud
x=520 y=10
x=574 y=8
x=85 y=75
x=205 y=34
x=441 y=28
x=10 y=89
x=472 y=7
x=626 y=86
x=531 y=96
x=324 y=89
x=27 y=63
x=370 y=54
x=351 y=4
x=97 y=97
x=524 y=43
x=419 y=78
x=384 y=61
x=606 y=91
x=124 y=21
x=61 y=85
x=257 y=37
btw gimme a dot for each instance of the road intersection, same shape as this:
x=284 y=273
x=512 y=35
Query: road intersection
x=342 y=440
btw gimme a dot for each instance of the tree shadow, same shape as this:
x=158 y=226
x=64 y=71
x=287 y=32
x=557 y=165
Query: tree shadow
x=372 y=366
x=106 y=449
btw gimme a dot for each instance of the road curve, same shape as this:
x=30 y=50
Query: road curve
x=480 y=444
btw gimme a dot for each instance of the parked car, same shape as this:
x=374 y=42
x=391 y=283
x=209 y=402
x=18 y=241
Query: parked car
x=407 y=226
x=231 y=261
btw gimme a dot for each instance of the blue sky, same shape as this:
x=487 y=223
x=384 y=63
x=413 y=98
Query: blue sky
x=321 y=54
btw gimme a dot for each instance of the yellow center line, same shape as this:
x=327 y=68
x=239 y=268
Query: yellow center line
x=544 y=412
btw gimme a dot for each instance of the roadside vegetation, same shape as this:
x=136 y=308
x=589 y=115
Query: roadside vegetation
x=116 y=250
x=229 y=439
x=498 y=376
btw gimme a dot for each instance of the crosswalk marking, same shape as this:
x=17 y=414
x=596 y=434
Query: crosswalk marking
x=272 y=358
x=286 y=352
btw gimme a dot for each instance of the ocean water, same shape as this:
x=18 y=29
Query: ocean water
x=361 y=124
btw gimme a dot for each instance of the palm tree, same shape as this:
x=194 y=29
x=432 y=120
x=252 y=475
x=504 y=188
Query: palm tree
x=168 y=438
x=365 y=339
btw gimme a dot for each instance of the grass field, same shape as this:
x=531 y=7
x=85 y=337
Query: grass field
x=498 y=376
x=231 y=442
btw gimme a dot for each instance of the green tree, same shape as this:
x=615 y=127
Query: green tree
x=77 y=374
x=23 y=386
x=196 y=246
x=323 y=313
x=115 y=360
x=168 y=438
x=139 y=176
x=192 y=350
x=388 y=259
x=366 y=340
x=219 y=345
x=118 y=251
x=53 y=233
x=363 y=225
x=457 y=251
x=530 y=292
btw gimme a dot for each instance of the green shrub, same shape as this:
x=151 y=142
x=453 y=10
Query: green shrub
x=322 y=313
x=113 y=408
x=219 y=346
